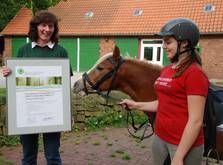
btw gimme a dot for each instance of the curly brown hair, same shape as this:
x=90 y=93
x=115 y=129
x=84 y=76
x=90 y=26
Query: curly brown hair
x=43 y=16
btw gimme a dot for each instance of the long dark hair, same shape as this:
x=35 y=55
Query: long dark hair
x=194 y=56
x=43 y=16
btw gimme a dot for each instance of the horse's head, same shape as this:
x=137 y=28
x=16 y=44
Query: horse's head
x=101 y=76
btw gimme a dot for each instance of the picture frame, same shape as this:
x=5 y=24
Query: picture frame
x=38 y=95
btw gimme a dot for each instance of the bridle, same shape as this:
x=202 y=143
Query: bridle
x=112 y=74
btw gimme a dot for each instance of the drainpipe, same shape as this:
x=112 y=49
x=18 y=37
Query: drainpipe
x=78 y=54
x=2 y=48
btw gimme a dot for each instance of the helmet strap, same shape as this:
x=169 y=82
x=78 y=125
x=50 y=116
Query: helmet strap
x=176 y=56
x=178 y=53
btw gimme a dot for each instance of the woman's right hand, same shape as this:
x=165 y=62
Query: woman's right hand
x=6 y=71
x=127 y=103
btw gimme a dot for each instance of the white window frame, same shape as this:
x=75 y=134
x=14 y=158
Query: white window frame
x=153 y=43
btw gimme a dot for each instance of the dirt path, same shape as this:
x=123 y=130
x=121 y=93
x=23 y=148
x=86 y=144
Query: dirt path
x=110 y=146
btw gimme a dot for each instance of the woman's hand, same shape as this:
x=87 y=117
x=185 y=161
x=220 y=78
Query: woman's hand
x=6 y=71
x=143 y=106
x=127 y=103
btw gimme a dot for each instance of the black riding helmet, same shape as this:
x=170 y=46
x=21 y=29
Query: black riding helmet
x=181 y=29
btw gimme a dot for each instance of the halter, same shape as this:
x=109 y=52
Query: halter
x=112 y=73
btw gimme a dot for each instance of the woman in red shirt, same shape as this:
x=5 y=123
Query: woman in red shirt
x=181 y=94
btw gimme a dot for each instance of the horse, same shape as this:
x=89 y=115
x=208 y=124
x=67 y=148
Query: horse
x=130 y=76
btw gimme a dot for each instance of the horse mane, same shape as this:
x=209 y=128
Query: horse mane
x=144 y=64
x=101 y=59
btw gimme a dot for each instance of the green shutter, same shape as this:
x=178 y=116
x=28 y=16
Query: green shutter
x=89 y=52
x=70 y=44
x=128 y=46
x=17 y=42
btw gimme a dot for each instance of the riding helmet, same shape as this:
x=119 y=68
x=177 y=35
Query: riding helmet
x=181 y=29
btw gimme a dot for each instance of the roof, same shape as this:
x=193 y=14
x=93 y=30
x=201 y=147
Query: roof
x=115 y=17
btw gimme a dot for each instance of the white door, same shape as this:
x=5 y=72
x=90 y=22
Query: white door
x=152 y=51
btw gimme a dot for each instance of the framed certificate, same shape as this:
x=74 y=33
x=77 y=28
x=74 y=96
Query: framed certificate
x=38 y=96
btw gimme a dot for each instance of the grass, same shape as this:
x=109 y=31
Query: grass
x=2 y=96
x=126 y=156
x=109 y=143
x=122 y=154
x=96 y=143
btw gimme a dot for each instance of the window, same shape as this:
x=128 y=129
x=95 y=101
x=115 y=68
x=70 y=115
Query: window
x=137 y=12
x=151 y=50
x=89 y=14
x=209 y=8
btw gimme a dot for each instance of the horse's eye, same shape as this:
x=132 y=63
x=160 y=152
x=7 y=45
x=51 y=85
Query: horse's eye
x=99 y=68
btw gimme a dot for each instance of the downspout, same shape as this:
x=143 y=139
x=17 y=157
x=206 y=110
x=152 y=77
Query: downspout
x=78 y=54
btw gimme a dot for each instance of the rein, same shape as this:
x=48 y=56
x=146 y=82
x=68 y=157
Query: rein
x=112 y=74
x=145 y=124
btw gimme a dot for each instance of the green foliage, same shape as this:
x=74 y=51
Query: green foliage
x=2 y=96
x=112 y=115
x=126 y=156
x=9 y=8
x=8 y=140
x=109 y=118
x=36 y=5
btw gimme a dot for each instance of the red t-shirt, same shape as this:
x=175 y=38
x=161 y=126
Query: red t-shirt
x=172 y=113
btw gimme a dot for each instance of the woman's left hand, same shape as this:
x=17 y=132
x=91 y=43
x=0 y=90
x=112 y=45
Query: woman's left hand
x=5 y=71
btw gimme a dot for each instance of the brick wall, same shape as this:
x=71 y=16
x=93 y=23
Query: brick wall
x=8 y=47
x=106 y=45
x=212 y=56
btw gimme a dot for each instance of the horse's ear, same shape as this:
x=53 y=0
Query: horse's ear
x=116 y=53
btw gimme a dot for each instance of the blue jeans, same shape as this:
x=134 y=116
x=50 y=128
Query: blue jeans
x=51 y=143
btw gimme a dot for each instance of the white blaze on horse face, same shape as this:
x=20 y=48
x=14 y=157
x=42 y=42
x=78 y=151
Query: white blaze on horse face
x=103 y=58
x=79 y=84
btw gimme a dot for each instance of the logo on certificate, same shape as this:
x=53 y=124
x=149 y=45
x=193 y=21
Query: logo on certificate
x=20 y=71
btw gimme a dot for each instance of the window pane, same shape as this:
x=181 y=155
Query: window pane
x=158 y=53
x=148 y=53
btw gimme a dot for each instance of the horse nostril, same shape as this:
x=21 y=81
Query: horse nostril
x=75 y=85
x=78 y=86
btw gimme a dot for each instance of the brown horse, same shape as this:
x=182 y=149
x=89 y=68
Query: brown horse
x=112 y=72
x=132 y=77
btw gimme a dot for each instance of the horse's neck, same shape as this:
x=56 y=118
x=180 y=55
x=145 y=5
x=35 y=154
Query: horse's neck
x=137 y=80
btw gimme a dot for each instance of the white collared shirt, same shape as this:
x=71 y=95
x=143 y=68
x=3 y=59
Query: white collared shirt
x=49 y=44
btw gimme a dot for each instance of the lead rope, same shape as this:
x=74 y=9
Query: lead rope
x=146 y=124
x=130 y=120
